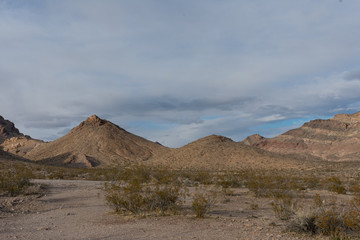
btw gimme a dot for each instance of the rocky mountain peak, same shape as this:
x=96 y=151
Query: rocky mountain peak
x=94 y=120
x=8 y=130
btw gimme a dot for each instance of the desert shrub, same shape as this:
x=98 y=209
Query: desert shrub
x=139 y=198
x=202 y=203
x=254 y=206
x=201 y=177
x=318 y=202
x=304 y=223
x=333 y=221
x=229 y=180
x=330 y=223
x=355 y=189
x=164 y=176
x=271 y=184
x=125 y=197
x=139 y=173
x=311 y=182
x=166 y=197
x=284 y=206
x=13 y=183
x=334 y=184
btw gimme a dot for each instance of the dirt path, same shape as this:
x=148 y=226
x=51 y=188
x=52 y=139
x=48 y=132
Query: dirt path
x=77 y=210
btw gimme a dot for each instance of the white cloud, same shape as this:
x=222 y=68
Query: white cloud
x=175 y=62
x=270 y=118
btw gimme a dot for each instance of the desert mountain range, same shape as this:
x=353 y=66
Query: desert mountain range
x=335 y=139
x=98 y=142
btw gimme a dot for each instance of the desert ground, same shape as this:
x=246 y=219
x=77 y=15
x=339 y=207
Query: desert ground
x=75 y=209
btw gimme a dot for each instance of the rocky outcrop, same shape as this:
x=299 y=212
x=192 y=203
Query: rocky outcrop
x=335 y=139
x=13 y=141
x=8 y=130
x=20 y=145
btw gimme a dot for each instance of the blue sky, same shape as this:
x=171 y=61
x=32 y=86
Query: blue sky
x=174 y=71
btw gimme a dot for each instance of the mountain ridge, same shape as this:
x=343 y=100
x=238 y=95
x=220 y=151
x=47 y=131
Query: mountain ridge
x=99 y=142
x=334 y=139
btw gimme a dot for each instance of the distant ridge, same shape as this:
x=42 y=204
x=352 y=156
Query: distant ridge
x=335 y=139
x=221 y=153
x=96 y=142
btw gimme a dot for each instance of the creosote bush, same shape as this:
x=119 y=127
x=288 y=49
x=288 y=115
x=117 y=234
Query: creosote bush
x=203 y=202
x=284 y=206
x=14 y=183
x=334 y=184
x=334 y=221
x=140 y=191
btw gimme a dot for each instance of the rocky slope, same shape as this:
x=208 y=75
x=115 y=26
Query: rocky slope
x=335 y=139
x=13 y=141
x=8 y=130
x=96 y=142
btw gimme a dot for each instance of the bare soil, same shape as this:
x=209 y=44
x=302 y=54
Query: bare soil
x=74 y=209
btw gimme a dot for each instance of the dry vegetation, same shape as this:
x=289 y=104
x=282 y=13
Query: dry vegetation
x=323 y=201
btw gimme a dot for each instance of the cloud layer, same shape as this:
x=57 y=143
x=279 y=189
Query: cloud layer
x=174 y=71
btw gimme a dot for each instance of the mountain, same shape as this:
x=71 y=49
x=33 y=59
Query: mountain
x=8 y=130
x=13 y=141
x=96 y=142
x=217 y=152
x=335 y=139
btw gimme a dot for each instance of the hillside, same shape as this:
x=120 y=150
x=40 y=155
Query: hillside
x=96 y=142
x=13 y=141
x=335 y=139
x=221 y=153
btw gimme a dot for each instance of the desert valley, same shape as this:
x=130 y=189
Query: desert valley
x=100 y=181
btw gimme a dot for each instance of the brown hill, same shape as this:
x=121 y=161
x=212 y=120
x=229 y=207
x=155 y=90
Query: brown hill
x=335 y=139
x=221 y=153
x=96 y=142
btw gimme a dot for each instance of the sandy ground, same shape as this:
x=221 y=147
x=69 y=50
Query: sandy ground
x=77 y=210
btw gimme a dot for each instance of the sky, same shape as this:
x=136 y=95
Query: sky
x=174 y=71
